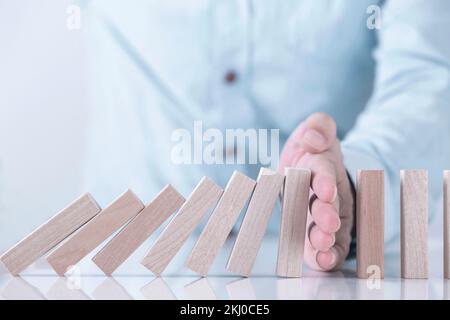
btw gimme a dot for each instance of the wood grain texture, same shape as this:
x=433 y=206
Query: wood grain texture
x=254 y=225
x=220 y=224
x=204 y=196
x=414 y=223
x=93 y=233
x=370 y=223
x=50 y=234
x=447 y=224
x=139 y=229
x=293 y=222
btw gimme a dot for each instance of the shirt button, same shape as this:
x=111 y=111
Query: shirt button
x=230 y=77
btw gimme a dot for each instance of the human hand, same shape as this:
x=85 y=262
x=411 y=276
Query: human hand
x=313 y=145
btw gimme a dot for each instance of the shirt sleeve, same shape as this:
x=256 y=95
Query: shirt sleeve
x=406 y=124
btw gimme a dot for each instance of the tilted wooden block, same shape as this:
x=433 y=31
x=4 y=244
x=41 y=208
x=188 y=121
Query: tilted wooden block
x=370 y=223
x=116 y=251
x=293 y=222
x=222 y=220
x=414 y=223
x=204 y=196
x=447 y=224
x=50 y=234
x=92 y=234
x=255 y=222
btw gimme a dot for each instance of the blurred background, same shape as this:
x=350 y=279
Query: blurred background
x=44 y=109
x=43 y=113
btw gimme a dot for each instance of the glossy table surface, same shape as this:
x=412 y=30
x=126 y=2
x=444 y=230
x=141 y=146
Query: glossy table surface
x=133 y=281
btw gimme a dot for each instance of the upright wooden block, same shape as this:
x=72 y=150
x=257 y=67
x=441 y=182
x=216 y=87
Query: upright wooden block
x=447 y=224
x=204 y=196
x=255 y=222
x=293 y=222
x=219 y=225
x=50 y=234
x=370 y=223
x=92 y=234
x=116 y=251
x=414 y=223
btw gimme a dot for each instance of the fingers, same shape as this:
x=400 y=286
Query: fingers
x=289 y=158
x=329 y=236
x=320 y=252
x=315 y=135
x=327 y=260
x=292 y=152
x=323 y=176
x=325 y=222
x=314 y=145
x=320 y=240
x=325 y=216
x=318 y=133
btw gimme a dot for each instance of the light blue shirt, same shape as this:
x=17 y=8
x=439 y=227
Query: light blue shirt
x=161 y=65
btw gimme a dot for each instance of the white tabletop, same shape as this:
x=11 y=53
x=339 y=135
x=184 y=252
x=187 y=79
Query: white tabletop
x=133 y=281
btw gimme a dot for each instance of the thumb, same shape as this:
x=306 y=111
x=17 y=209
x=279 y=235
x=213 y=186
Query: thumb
x=314 y=135
x=318 y=133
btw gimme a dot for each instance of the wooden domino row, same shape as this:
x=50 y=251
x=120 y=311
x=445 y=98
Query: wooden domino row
x=80 y=228
x=77 y=230
x=413 y=224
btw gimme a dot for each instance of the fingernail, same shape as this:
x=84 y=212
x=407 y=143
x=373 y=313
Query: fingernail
x=333 y=258
x=335 y=194
x=339 y=225
x=333 y=236
x=314 y=138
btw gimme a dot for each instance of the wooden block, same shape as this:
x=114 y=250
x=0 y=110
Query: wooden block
x=293 y=222
x=414 y=223
x=253 y=228
x=204 y=196
x=370 y=224
x=116 y=251
x=222 y=220
x=447 y=224
x=92 y=234
x=50 y=234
